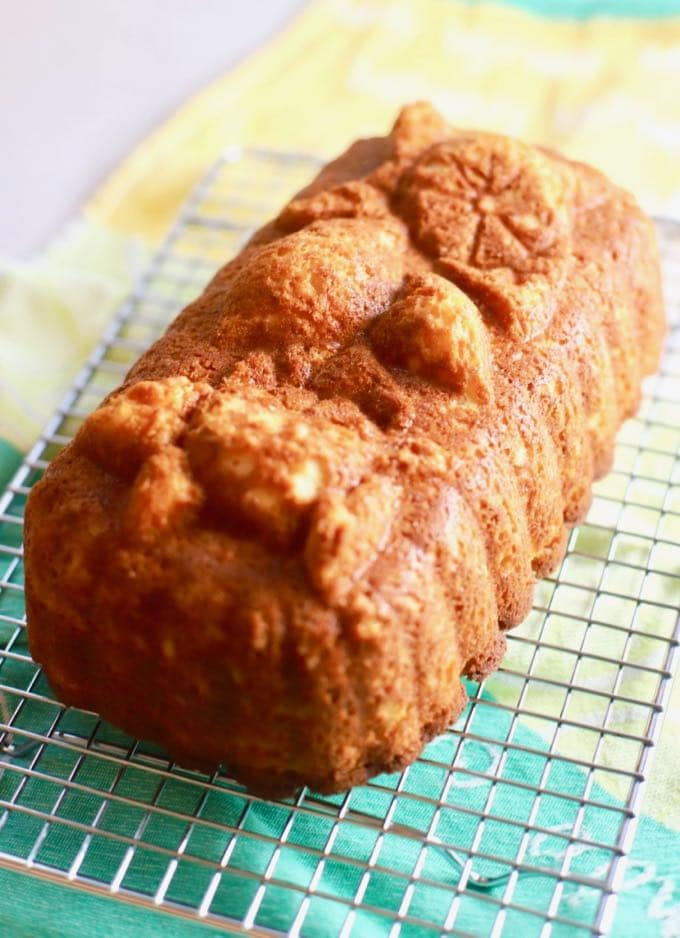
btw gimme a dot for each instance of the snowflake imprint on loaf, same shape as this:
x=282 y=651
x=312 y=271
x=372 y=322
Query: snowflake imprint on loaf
x=494 y=215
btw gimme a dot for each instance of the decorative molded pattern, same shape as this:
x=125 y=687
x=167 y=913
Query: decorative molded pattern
x=495 y=216
x=434 y=330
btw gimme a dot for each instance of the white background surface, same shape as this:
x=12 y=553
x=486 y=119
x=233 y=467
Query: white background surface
x=83 y=81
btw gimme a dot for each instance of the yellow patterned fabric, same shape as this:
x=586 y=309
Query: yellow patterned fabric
x=603 y=90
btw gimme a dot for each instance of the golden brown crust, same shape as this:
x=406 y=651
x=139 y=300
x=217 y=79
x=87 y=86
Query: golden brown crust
x=317 y=500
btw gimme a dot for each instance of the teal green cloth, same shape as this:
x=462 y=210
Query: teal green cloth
x=586 y=9
x=10 y=458
x=32 y=907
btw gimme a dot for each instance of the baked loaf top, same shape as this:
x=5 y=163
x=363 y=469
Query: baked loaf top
x=313 y=501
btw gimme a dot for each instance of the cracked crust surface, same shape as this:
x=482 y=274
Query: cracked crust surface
x=322 y=496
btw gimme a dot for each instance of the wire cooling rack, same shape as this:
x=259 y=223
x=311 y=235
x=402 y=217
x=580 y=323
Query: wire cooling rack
x=514 y=822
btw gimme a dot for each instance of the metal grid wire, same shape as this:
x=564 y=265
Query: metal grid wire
x=513 y=822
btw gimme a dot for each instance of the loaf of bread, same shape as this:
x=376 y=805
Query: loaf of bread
x=323 y=495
